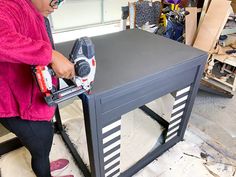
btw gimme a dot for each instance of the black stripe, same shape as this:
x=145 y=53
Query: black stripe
x=111 y=159
x=182 y=95
x=177 y=112
x=111 y=131
x=177 y=105
x=171 y=122
x=172 y=134
x=112 y=141
x=115 y=172
x=176 y=117
x=112 y=150
x=111 y=167
x=174 y=126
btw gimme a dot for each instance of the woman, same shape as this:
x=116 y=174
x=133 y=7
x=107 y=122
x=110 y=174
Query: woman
x=23 y=43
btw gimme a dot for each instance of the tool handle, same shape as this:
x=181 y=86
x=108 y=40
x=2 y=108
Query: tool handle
x=83 y=46
x=230 y=51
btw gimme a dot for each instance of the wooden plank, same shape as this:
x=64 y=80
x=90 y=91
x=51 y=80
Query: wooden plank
x=190 y=25
x=204 y=10
x=221 y=29
x=214 y=88
x=212 y=24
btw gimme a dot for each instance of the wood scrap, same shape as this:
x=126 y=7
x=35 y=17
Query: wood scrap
x=191 y=155
x=211 y=172
x=210 y=87
x=220 y=54
x=212 y=24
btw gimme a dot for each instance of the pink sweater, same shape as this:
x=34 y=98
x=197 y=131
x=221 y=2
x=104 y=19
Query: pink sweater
x=23 y=42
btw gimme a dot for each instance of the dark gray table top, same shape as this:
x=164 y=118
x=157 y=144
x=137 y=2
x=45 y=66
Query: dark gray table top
x=131 y=55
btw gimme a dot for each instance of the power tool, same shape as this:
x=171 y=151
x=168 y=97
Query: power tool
x=83 y=58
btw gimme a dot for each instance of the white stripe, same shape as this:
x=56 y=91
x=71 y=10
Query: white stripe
x=106 y=158
x=180 y=100
x=175 y=123
x=180 y=92
x=108 y=148
x=116 y=175
x=178 y=108
x=169 y=132
x=168 y=139
x=112 y=163
x=111 y=126
x=176 y=116
x=111 y=171
x=112 y=136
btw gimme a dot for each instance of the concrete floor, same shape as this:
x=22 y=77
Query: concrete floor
x=215 y=116
x=209 y=147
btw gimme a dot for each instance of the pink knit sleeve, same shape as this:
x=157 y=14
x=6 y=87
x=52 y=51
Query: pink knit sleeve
x=16 y=48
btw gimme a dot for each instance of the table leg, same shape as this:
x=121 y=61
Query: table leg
x=111 y=140
x=178 y=112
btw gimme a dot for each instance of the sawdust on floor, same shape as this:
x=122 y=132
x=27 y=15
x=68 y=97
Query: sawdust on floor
x=198 y=155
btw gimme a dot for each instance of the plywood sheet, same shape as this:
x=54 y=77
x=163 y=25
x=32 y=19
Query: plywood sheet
x=190 y=25
x=204 y=10
x=213 y=22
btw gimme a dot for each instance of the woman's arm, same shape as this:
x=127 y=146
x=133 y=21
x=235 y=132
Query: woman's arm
x=16 y=48
x=62 y=66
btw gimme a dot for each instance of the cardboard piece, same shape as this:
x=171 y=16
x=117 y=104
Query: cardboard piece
x=212 y=25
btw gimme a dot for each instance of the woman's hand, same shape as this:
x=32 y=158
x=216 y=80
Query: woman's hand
x=62 y=66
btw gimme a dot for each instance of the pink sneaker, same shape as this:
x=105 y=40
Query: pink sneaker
x=57 y=166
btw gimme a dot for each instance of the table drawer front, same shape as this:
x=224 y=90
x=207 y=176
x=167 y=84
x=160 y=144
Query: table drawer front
x=129 y=98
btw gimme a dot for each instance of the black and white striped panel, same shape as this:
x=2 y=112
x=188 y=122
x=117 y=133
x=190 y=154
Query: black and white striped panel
x=111 y=148
x=177 y=112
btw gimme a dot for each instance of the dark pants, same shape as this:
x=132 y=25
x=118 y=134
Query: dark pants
x=37 y=137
